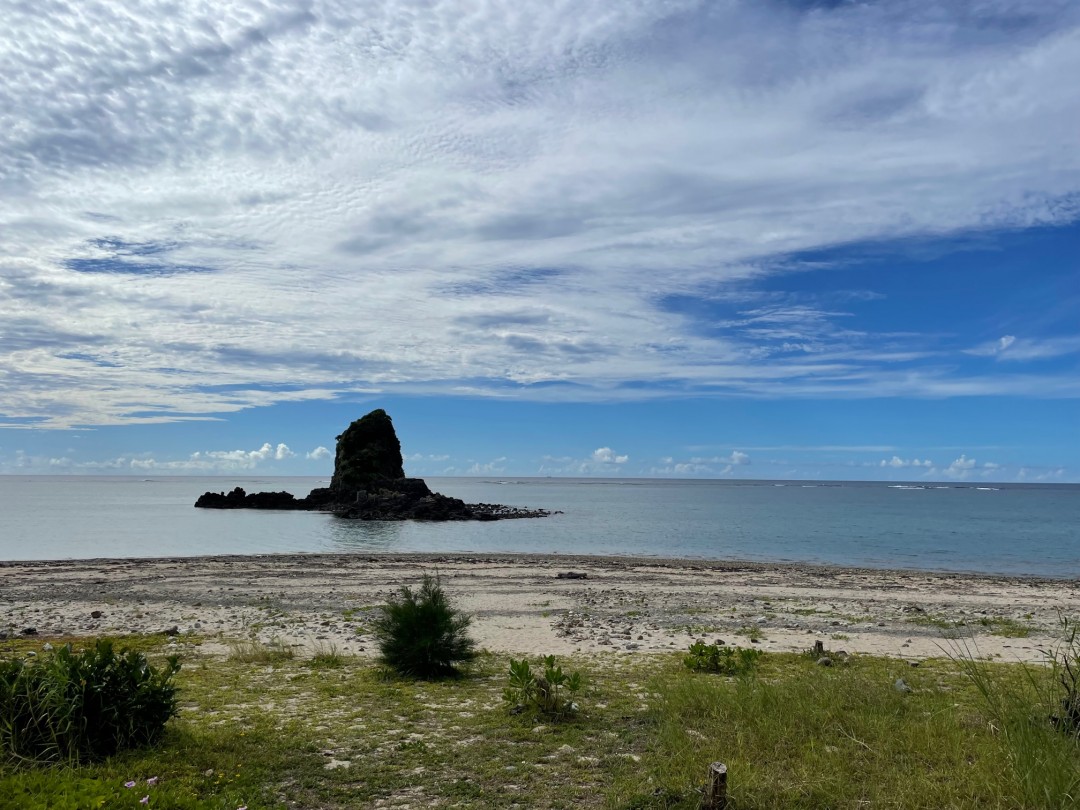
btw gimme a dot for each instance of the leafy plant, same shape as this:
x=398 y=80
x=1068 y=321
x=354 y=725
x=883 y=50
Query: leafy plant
x=704 y=657
x=421 y=636
x=551 y=693
x=68 y=707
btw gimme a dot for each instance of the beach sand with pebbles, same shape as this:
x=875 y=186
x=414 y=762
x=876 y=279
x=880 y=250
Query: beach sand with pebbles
x=520 y=604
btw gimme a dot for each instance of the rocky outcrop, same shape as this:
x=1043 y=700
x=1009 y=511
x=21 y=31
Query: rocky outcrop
x=369 y=483
x=368 y=454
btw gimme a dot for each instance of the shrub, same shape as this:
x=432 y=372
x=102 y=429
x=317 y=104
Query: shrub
x=551 y=693
x=67 y=707
x=421 y=636
x=704 y=657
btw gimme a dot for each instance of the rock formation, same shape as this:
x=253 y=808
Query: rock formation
x=369 y=483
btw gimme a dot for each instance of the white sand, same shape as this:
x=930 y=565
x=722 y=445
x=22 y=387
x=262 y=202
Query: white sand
x=519 y=606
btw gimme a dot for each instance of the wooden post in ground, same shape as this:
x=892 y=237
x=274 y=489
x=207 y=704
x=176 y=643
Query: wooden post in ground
x=819 y=648
x=715 y=797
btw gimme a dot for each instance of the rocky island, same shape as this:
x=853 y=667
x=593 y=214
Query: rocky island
x=369 y=483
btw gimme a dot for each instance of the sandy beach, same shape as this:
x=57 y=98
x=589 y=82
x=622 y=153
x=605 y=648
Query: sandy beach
x=521 y=605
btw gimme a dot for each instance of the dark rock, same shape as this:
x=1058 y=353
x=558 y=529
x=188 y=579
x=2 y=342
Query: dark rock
x=238 y=499
x=824 y=661
x=172 y=631
x=29 y=631
x=369 y=483
x=368 y=453
x=96 y=614
x=571 y=575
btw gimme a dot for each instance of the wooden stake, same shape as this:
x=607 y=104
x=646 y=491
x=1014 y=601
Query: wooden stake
x=715 y=797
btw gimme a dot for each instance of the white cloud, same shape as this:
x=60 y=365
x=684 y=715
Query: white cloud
x=478 y=203
x=1040 y=474
x=960 y=469
x=738 y=458
x=319 y=453
x=496 y=466
x=1026 y=349
x=898 y=463
x=700 y=466
x=605 y=455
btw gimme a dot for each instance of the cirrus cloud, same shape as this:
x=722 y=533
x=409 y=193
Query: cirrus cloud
x=218 y=206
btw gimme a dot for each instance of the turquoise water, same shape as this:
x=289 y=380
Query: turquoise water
x=998 y=528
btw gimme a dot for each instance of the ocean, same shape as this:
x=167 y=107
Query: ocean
x=990 y=528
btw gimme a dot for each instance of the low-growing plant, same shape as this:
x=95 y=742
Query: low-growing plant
x=1004 y=626
x=1066 y=666
x=77 y=707
x=421 y=636
x=326 y=656
x=704 y=657
x=550 y=693
x=253 y=651
x=751 y=632
x=1028 y=716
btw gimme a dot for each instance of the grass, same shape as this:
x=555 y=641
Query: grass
x=253 y=651
x=293 y=733
x=1004 y=626
x=751 y=632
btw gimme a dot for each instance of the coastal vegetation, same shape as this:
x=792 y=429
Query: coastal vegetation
x=421 y=635
x=281 y=732
x=59 y=706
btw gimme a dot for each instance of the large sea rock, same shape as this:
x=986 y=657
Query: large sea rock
x=369 y=483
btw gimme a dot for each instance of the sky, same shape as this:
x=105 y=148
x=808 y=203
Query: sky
x=739 y=238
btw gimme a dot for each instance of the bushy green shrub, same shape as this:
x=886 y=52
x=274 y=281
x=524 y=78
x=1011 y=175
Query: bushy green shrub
x=551 y=693
x=704 y=657
x=68 y=707
x=421 y=636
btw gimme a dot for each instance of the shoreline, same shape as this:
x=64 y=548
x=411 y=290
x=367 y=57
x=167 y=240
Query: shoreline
x=627 y=605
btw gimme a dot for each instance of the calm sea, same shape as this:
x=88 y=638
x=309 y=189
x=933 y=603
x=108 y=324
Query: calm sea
x=992 y=528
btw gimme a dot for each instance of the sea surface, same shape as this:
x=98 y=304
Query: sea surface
x=999 y=528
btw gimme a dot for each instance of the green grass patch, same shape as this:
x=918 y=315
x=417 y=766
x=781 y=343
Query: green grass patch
x=253 y=651
x=291 y=733
x=751 y=632
x=1003 y=626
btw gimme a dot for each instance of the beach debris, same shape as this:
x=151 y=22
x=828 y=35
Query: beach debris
x=902 y=686
x=571 y=575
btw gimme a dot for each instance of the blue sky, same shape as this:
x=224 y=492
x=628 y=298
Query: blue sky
x=751 y=239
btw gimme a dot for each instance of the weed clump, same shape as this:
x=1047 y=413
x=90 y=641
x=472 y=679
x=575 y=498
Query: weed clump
x=421 y=636
x=68 y=707
x=704 y=657
x=550 y=693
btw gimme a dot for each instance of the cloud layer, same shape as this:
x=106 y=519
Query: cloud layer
x=216 y=206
